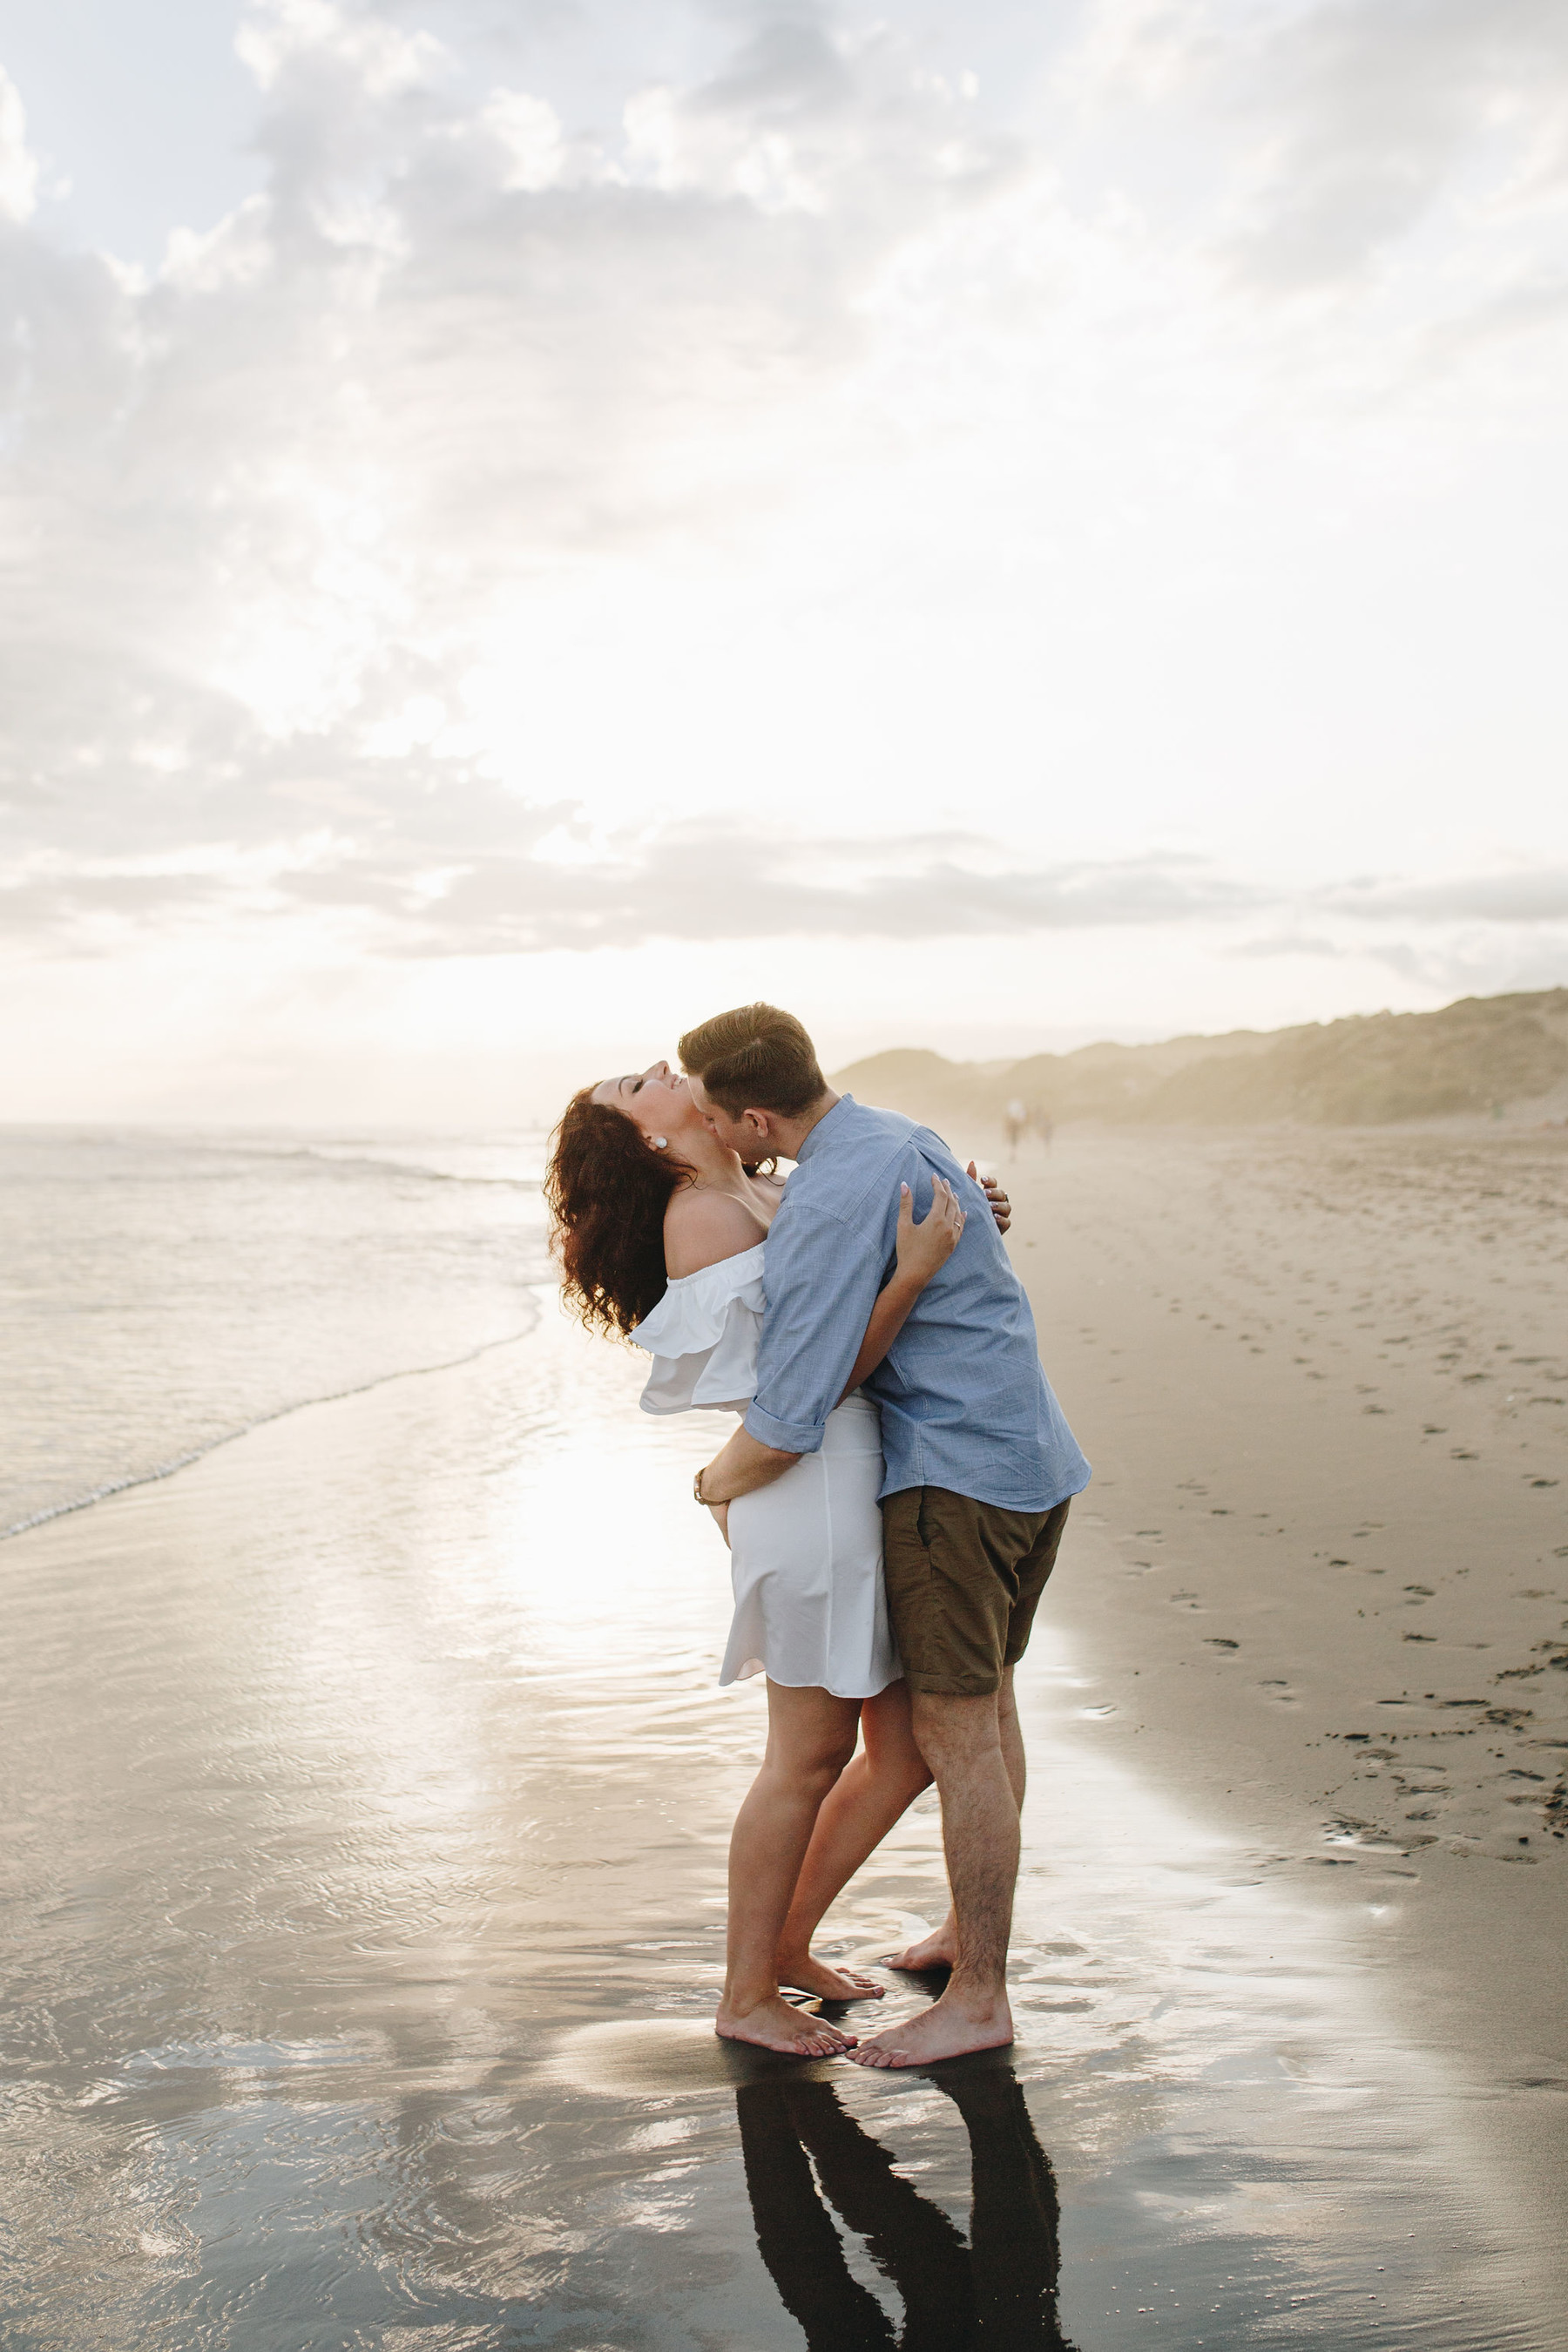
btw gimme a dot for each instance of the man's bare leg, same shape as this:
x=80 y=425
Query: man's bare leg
x=961 y=1739
x=811 y=1736
x=873 y=1791
x=940 y=1949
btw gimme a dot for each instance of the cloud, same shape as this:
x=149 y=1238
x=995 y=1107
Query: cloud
x=1384 y=109
x=19 y=165
x=458 y=346
x=1535 y=895
x=699 y=883
x=1339 y=129
x=689 y=882
x=479 y=874
x=504 y=320
x=1287 y=943
x=1487 y=963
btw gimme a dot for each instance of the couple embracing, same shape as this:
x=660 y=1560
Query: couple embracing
x=893 y=1498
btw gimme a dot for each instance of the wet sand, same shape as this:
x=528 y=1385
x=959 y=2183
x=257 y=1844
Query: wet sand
x=368 y=1791
x=1322 y=1571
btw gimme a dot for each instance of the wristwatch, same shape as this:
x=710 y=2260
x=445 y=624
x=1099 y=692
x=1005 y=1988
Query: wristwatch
x=696 y=1490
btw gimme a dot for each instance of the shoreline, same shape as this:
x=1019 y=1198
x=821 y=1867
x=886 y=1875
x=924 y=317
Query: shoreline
x=154 y=1478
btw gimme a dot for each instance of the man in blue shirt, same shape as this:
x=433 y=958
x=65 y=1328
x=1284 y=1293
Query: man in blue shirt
x=980 y=1464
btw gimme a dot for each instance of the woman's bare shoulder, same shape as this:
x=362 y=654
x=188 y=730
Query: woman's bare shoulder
x=701 y=1227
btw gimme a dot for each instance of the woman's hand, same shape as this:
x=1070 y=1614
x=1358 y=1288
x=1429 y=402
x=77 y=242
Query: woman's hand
x=921 y=1249
x=1001 y=1206
x=722 y=1518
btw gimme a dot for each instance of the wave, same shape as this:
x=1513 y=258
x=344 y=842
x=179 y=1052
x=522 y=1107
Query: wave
x=280 y=1412
x=382 y=1164
x=323 y=1156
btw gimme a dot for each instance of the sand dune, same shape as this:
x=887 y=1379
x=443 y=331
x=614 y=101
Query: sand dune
x=1483 y=1054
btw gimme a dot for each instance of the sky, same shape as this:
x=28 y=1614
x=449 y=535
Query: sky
x=529 y=522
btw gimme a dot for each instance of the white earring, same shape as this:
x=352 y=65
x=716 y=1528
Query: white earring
x=661 y=1144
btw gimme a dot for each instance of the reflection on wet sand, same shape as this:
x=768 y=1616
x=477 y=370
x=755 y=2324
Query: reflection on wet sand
x=366 y=1922
x=998 y=2290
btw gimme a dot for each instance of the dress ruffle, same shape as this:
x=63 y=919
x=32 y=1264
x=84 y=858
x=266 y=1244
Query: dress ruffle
x=694 y=1310
x=702 y=1337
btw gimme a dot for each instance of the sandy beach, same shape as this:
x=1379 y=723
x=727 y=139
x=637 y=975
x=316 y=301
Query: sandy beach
x=370 y=1789
x=1322 y=1569
x=1000 y=561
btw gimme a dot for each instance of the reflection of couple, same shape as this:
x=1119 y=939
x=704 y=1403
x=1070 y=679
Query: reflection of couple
x=998 y=2291
x=904 y=1621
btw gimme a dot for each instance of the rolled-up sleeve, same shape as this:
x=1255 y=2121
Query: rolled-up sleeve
x=822 y=1282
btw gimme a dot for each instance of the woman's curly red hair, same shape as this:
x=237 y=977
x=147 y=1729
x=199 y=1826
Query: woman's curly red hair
x=607 y=1191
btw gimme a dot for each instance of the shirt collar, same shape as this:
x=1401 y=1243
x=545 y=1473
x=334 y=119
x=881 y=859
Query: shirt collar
x=808 y=1145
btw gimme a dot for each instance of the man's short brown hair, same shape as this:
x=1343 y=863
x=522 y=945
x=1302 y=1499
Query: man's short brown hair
x=754 y=1059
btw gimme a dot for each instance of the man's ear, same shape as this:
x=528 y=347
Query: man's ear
x=761 y=1124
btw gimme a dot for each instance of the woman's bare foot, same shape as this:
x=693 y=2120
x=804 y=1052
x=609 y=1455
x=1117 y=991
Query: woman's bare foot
x=937 y=1951
x=808 y=1974
x=949 y=2028
x=773 y=2023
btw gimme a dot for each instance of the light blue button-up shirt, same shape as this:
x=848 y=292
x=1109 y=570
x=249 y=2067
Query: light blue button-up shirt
x=964 y=1403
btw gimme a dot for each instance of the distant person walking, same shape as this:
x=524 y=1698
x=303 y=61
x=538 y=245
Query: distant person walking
x=1015 y=1123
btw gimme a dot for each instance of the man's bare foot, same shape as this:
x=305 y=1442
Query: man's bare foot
x=808 y=1974
x=943 y=2031
x=937 y=1951
x=776 y=2024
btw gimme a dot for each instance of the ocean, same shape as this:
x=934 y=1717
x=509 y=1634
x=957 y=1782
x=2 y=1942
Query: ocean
x=162 y=1293
x=367 y=1794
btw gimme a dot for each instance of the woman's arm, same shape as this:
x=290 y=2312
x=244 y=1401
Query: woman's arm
x=918 y=1252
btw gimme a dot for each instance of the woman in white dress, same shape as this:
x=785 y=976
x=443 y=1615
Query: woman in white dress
x=660 y=1230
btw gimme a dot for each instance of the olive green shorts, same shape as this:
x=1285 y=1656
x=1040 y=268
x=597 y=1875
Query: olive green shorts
x=964 y=1580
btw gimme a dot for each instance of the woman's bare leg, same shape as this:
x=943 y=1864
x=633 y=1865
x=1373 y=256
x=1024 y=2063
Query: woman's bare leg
x=811 y=1736
x=869 y=1795
x=940 y=1949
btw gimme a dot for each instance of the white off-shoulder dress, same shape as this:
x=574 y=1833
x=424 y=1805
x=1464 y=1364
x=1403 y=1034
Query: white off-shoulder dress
x=805 y=1553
